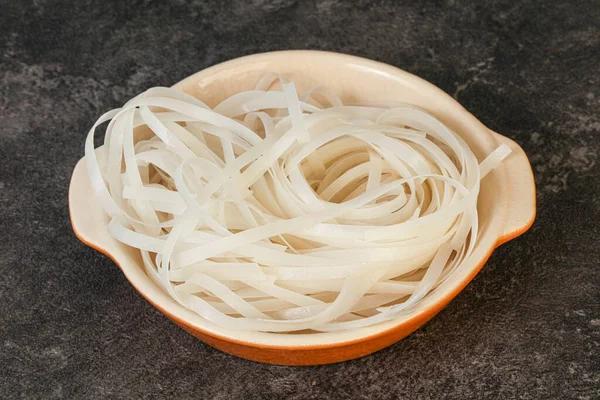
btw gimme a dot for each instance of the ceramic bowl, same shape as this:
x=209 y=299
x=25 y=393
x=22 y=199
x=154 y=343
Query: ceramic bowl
x=506 y=203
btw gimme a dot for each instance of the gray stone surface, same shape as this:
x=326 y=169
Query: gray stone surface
x=527 y=327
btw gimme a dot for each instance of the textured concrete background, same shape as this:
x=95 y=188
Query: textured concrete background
x=527 y=327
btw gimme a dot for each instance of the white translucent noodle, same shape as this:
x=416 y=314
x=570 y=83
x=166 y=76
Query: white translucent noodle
x=278 y=212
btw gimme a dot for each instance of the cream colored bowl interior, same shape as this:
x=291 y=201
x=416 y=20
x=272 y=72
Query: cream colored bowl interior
x=506 y=203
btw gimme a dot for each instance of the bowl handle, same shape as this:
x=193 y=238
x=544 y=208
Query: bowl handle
x=522 y=198
x=87 y=215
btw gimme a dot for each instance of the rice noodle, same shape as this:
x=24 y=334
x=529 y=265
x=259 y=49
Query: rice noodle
x=276 y=212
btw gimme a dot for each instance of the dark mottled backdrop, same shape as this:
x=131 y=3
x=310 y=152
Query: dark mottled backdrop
x=528 y=326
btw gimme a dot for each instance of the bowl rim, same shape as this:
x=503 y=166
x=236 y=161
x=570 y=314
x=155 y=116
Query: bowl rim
x=417 y=318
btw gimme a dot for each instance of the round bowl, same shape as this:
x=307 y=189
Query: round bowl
x=506 y=203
